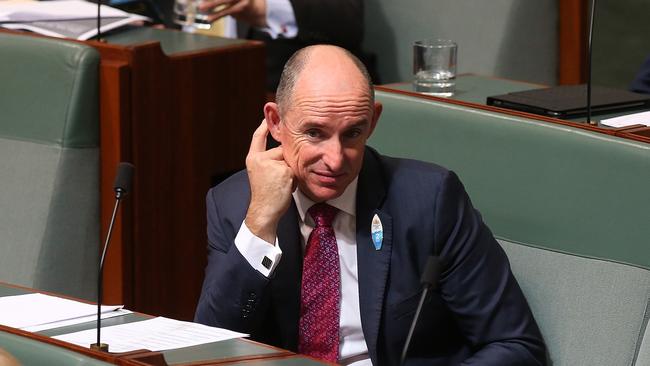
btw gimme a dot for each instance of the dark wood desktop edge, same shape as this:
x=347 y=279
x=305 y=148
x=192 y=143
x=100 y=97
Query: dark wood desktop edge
x=538 y=85
x=117 y=50
x=280 y=358
x=638 y=133
x=618 y=132
x=278 y=353
x=147 y=357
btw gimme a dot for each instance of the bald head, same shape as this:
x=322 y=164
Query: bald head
x=321 y=64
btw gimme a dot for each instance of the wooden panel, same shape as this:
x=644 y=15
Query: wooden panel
x=573 y=41
x=184 y=121
x=638 y=134
x=115 y=146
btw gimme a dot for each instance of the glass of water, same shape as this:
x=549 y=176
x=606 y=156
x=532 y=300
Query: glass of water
x=187 y=14
x=434 y=67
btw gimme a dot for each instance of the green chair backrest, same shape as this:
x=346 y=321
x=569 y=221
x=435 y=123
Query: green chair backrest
x=590 y=311
x=49 y=138
x=534 y=182
x=559 y=198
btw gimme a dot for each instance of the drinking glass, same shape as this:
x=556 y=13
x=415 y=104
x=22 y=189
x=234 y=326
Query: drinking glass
x=187 y=14
x=434 y=67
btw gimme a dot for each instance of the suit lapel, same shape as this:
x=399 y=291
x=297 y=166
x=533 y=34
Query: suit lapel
x=373 y=264
x=287 y=278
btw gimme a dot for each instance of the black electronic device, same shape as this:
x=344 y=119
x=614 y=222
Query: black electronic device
x=573 y=101
x=570 y=101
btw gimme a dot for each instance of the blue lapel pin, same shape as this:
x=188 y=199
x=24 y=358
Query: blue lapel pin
x=377 y=232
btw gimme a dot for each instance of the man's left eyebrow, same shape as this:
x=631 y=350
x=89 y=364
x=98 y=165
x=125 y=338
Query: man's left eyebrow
x=360 y=124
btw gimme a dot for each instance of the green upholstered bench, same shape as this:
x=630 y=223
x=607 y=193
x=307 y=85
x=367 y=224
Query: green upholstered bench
x=49 y=171
x=570 y=207
x=30 y=352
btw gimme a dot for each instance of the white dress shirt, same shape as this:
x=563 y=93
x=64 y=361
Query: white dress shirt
x=352 y=346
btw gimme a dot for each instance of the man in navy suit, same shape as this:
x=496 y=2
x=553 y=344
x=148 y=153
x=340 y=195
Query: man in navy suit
x=260 y=223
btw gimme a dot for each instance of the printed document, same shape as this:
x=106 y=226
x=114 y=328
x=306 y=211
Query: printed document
x=22 y=311
x=157 y=334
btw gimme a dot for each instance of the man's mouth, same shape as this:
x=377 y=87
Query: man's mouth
x=328 y=178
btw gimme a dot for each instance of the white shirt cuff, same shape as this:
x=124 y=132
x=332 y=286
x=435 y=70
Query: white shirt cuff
x=261 y=255
x=280 y=19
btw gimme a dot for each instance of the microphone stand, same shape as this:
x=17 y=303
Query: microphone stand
x=100 y=276
x=122 y=186
x=589 y=50
x=429 y=281
x=99 y=21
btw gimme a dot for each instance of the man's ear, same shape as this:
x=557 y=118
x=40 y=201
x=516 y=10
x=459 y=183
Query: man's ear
x=272 y=116
x=378 y=107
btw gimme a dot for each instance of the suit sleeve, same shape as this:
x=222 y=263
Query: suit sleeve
x=338 y=22
x=478 y=286
x=232 y=293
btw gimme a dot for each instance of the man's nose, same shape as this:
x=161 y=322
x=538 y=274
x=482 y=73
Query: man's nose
x=333 y=155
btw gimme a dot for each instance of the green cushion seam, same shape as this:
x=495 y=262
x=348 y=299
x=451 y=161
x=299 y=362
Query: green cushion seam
x=47 y=219
x=73 y=91
x=541 y=247
x=46 y=143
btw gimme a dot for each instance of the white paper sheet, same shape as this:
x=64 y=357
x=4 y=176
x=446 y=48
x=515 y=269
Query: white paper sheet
x=23 y=311
x=83 y=319
x=63 y=18
x=642 y=118
x=157 y=334
x=31 y=11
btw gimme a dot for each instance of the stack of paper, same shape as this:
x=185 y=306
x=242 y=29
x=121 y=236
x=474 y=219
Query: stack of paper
x=35 y=312
x=65 y=18
x=642 y=118
x=157 y=334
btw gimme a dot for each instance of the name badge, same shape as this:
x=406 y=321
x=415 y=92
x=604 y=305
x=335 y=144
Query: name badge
x=377 y=232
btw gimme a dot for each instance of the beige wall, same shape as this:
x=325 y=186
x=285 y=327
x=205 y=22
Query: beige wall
x=506 y=38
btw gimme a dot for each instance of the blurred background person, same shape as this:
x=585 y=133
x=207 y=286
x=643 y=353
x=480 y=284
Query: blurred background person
x=285 y=26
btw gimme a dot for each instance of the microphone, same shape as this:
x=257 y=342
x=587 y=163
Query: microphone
x=122 y=186
x=99 y=26
x=429 y=280
x=591 y=31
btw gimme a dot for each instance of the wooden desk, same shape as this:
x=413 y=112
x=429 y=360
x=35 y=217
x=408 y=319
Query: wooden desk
x=473 y=90
x=181 y=108
x=234 y=351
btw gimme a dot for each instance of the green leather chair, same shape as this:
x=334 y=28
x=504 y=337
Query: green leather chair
x=571 y=209
x=49 y=170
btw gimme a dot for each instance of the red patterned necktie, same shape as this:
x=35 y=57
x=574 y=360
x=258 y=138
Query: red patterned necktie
x=321 y=294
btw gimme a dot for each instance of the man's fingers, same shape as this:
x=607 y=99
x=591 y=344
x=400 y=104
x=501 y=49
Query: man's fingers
x=258 y=141
x=274 y=153
x=209 y=5
x=230 y=10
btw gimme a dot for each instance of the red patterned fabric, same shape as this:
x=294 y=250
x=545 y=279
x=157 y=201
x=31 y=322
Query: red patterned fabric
x=321 y=283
